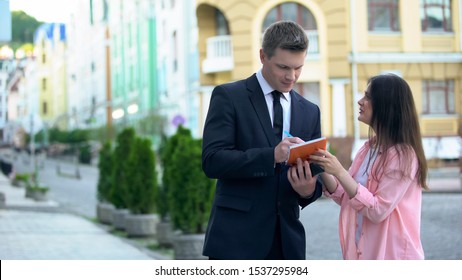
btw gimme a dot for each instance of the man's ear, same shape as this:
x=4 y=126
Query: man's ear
x=262 y=56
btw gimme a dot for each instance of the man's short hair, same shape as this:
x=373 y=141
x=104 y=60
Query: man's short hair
x=284 y=34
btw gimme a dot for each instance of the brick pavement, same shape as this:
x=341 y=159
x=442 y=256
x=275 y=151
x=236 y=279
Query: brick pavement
x=40 y=231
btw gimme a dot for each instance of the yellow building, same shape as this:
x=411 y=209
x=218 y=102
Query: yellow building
x=50 y=52
x=350 y=41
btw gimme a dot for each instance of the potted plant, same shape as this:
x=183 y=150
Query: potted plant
x=120 y=188
x=164 y=227
x=20 y=179
x=164 y=230
x=105 y=164
x=142 y=174
x=36 y=190
x=190 y=195
x=85 y=153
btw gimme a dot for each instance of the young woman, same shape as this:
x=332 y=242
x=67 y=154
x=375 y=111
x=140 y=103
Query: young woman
x=380 y=196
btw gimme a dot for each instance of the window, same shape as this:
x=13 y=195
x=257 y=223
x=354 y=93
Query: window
x=291 y=11
x=309 y=91
x=222 y=27
x=301 y=15
x=91 y=12
x=436 y=15
x=438 y=97
x=383 y=15
x=44 y=84
x=175 y=52
x=44 y=108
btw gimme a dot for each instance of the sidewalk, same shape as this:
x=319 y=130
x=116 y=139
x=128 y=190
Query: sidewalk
x=40 y=231
x=447 y=180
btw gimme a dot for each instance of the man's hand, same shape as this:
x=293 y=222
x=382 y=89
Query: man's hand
x=281 y=152
x=300 y=178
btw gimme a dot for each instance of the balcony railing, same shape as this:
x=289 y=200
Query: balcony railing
x=313 y=41
x=220 y=52
x=219 y=55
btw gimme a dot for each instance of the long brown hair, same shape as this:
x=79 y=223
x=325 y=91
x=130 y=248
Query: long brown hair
x=395 y=123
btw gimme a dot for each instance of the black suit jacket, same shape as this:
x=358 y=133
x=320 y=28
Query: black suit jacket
x=238 y=150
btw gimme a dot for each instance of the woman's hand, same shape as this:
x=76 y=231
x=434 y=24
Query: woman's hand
x=328 y=162
x=332 y=166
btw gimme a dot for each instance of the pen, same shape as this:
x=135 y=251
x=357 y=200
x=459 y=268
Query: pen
x=287 y=133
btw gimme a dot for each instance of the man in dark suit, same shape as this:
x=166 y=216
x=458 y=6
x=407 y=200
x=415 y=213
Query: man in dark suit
x=255 y=213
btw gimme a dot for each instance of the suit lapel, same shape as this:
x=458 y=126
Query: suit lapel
x=259 y=104
x=296 y=111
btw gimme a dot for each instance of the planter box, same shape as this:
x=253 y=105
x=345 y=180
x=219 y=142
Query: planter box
x=141 y=225
x=118 y=218
x=165 y=234
x=2 y=200
x=39 y=195
x=104 y=212
x=189 y=246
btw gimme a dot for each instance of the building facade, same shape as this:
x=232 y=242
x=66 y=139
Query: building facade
x=133 y=60
x=50 y=51
x=178 y=65
x=350 y=41
x=87 y=65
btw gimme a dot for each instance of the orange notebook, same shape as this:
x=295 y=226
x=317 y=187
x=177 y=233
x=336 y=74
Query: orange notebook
x=304 y=150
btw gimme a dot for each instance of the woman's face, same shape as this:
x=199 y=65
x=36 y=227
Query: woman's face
x=365 y=107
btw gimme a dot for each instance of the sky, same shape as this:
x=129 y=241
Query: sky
x=43 y=10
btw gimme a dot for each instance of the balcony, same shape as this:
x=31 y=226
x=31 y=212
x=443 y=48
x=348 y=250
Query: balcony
x=220 y=52
x=313 y=47
x=219 y=55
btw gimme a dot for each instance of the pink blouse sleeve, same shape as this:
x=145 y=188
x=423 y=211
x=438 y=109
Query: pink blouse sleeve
x=389 y=191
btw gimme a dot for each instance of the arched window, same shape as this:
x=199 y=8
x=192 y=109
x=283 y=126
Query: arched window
x=291 y=11
x=301 y=15
x=222 y=27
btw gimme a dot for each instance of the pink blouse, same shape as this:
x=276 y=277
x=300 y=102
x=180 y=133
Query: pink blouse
x=391 y=211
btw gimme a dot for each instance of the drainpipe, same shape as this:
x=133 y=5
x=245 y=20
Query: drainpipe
x=460 y=25
x=108 y=81
x=354 y=77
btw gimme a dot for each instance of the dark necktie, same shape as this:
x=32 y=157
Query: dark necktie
x=277 y=117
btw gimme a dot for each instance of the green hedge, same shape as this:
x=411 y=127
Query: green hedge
x=105 y=166
x=120 y=189
x=142 y=174
x=190 y=192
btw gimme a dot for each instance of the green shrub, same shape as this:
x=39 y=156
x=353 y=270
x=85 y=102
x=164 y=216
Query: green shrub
x=85 y=153
x=120 y=182
x=38 y=188
x=22 y=177
x=166 y=149
x=105 y=165
x=141 y=171
x=190 y=192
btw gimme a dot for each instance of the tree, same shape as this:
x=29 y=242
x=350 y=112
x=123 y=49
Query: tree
x=166 y=149
x=141 y=170
x=23 y=28
x=162 y=203
x=190 y=192
x=120 y=189
x=105 y=166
